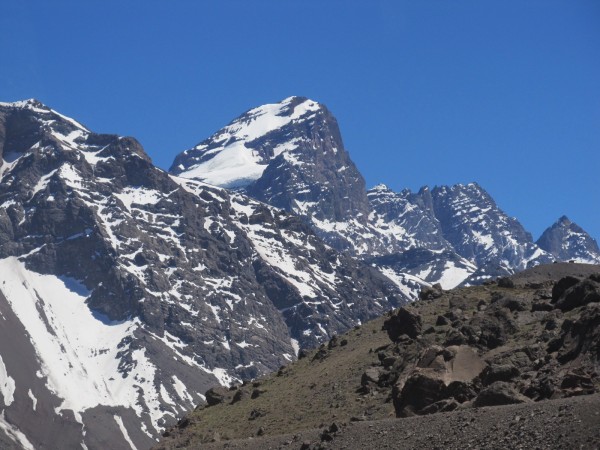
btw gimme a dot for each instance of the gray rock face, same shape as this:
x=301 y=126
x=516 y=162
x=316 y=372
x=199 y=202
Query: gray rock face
x=565 y=240
x=298 y=161
x=153 y=288
x=290 y=155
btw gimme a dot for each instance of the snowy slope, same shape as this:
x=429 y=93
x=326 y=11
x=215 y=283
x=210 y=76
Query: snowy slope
x=229 y=158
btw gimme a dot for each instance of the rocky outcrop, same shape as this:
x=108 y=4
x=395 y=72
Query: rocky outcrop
x=486 y=356
x=490 y=348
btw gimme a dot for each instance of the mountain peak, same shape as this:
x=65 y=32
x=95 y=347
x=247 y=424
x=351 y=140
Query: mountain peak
x=24 y=103
x=563 y=220
x=235 y=156
x=380 y=187
x=566 y=240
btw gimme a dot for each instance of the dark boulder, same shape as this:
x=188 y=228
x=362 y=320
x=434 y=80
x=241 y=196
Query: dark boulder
x=582 y=293
x=446 y=405
x=512 y=304
x=506 y=282
x=578 y=336
x=216 y=395
x=441 y=321
x=499 y=393
x=431 y=293
x=578 y=382
x=540 y=305
x=419 y=391
x=495 y=327
x=499 y=372
x=404 y=321
x=562 y=285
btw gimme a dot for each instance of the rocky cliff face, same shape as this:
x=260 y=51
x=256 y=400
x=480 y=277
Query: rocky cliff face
x=290 y=155
x=127 y=292
x=565 y=240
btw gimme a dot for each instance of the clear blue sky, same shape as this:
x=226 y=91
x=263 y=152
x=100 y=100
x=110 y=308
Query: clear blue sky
x=505 y=93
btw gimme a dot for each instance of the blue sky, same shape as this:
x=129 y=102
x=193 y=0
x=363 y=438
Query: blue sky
x=505 y=93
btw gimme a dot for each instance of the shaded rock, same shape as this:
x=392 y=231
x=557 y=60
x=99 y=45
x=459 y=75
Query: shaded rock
x=541 y=306
x=499 y=393
x=582 y=293
x=430 y=293
x=441 y=321
x=494 y=328
x=455 y=337
x=418 y=392
x=512 y=303
x=581 y=335
x=460 y=391
x=578 y=382
x=216 y=395
x=404 y=321
x=432 y=358
x=498 y=372
x=506 y=282
x=239 y=396
x=562 y=285
x=445 y=405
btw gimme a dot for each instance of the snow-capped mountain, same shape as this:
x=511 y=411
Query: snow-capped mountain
x=126 y=292
x=291 y=155
x=565 y=240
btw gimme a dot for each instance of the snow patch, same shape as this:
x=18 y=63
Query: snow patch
x=7 y=385
x=119 y=421
x=14 y=434
x=76 y=347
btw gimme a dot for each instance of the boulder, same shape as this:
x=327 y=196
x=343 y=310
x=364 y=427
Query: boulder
x=371 y=375
x=419 y=391
x=216 y=395
x=495 y=327
x=506 y=282
x=540 y=305
x=582 y=293
x=404 y=321
x=499 y=372
x=441 y=321
x=562 y=285
x=445 y=405
x=512 y=303
x=581 y=335
x=499 y=393
x=430 y=293
x=578 y=382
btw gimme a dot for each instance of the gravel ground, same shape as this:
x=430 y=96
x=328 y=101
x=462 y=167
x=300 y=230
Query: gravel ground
x=572 y=423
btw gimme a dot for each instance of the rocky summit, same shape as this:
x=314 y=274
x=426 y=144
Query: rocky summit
x=127 y=292
x=504 y=363
x=566 y=240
